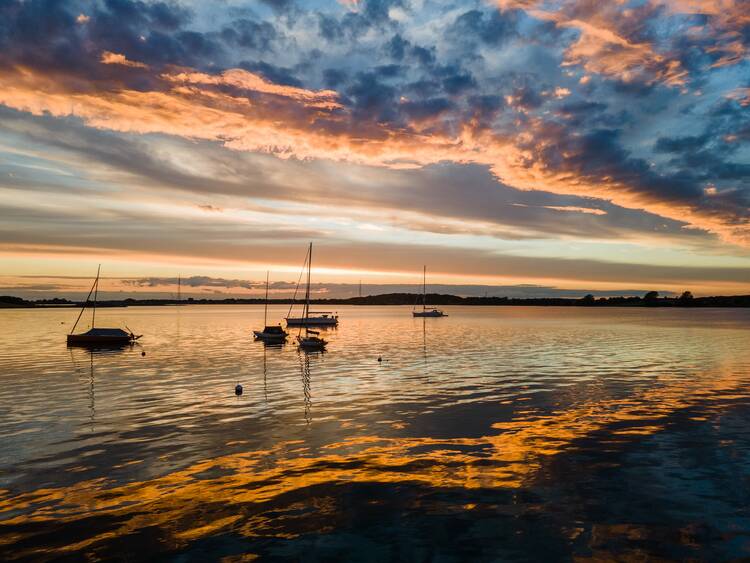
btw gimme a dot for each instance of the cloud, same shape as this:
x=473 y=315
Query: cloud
x=191 y=281
x=311 y=124
x=438 y=198
x=248 y=82
x=600 y=120
x=281 y=289
x=117 y=59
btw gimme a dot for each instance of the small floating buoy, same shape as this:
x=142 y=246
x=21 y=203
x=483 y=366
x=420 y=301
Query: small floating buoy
x=380 y=359
x=143 y=353
x=238 y=390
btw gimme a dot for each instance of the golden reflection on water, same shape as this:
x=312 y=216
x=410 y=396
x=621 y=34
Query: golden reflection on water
x=516 y=452
x=289 y=489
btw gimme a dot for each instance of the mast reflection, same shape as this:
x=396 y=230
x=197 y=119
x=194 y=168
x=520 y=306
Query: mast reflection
x=89 y=354
x=304 y=362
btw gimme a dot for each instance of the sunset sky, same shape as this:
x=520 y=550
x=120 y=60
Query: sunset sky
x=582 y=146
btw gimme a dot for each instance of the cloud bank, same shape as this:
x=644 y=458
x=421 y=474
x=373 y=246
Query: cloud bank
x=513 y=119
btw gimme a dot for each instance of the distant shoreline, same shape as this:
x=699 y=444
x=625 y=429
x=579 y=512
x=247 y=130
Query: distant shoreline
x=649 y=300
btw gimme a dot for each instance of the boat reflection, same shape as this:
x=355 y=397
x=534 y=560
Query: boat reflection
x=273 y=347
x=304 y=363
x=86 y=357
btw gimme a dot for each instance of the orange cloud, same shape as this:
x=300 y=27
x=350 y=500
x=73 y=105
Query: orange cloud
x=601 y=47
x=244 y=80
x=725 y=26
x=742 y=95
x=109 y=58
x=294 y=122
x=589 y=210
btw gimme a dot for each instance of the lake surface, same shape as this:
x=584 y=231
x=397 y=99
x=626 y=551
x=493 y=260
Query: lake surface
x=493 y=434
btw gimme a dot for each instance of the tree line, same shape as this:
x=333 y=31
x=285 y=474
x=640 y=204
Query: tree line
x=649 y=299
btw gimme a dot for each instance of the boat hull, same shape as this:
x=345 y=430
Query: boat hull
x=84 y=340
x=312 y=344
x=269 y=337
x=312 y=321
x=430 y=314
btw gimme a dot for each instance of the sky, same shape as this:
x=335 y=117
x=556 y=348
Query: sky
x=515 y=147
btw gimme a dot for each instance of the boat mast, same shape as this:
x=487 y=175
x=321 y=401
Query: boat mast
x=179 y=287
x=265 y=310
x=306 y=305
x=85 y=303
x=307 y=291
x=96 y=292
x=424 y=288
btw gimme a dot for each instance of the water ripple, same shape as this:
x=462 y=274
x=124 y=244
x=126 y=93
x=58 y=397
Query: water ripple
x=521 y=433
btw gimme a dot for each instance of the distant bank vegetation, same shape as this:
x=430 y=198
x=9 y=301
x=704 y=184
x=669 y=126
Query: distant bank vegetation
x=650 y=299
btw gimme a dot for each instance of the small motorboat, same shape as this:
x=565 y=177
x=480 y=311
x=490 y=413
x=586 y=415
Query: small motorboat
x=99 y=336
x=271 y=334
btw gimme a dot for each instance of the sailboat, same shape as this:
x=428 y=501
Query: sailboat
x=99 y=336
x=426 y=311
x=270 y=333
x=311 y=341
x=311 y=318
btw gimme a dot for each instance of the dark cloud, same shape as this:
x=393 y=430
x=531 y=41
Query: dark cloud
x=377 y=11
x=273 y=73
x=330 y=28
x=484 y=108
x=457 y=82
x=492 y=27
x=250 y=34
x=372 y=98
x=424 y=109
x=397 y=47
x=334 y=77
x=47 y=35
x=279 y=5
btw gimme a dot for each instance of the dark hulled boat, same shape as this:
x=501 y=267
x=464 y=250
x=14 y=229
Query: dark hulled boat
x=98 y=336
x=102 y=337
x=272 y=334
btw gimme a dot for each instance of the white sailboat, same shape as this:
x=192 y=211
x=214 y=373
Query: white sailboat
x=312 y=318
x=270 y=333
x=311 y=341
x=426 y=311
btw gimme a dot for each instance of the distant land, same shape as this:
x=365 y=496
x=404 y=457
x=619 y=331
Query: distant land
x=650 y=299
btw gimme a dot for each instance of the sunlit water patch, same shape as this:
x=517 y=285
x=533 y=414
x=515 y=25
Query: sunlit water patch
x=494 y=433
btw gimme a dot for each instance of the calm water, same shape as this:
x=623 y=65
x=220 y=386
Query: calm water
x=492 y=434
